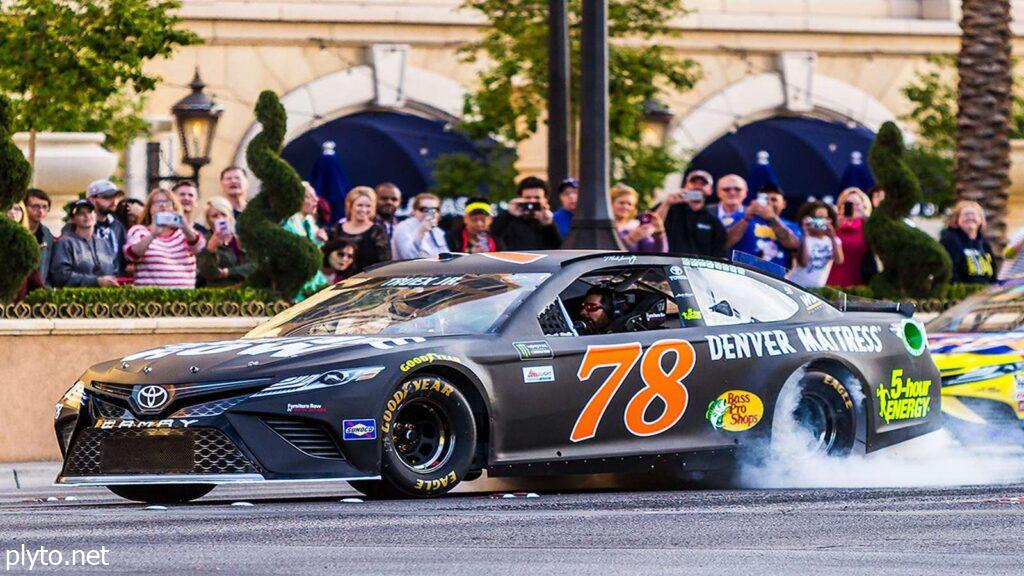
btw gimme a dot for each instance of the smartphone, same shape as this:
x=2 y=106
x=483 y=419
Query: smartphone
x=762 y=198
x=222 y=226
x=646 y=218
x=167 y=219
x=848 y=209
x=693 y=195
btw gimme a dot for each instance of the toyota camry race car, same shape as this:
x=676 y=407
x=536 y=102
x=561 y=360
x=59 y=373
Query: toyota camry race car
x=414 y=376
x=978 y=346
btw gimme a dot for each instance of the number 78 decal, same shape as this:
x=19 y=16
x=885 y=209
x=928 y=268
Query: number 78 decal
x=668 y=386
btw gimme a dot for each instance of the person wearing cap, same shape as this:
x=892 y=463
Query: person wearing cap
x=80 y=256
x=474 y=235
x=103 y=194
x=689 y=226
x=761 y=231
x=568 y=195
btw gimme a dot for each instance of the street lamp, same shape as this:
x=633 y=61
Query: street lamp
x=196 y=115
x=657 y=117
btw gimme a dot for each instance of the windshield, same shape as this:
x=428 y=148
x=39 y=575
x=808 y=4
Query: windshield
x=440 y=305
x=1001 y=311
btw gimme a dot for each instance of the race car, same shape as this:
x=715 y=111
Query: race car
x=978 y=347
x=417 y=375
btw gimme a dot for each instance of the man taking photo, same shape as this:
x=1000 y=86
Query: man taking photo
x=690 y=228
x=528 y=224
x=759 y=230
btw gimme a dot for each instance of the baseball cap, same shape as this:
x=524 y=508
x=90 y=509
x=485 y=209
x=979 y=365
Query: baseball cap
x=568 y=183
x=477 y=206
x=701 y=174
x=102 y=188
x=79 y=204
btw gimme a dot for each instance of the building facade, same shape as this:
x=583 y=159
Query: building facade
x=830 y=60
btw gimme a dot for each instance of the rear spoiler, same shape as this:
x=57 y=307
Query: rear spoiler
x=905 y=309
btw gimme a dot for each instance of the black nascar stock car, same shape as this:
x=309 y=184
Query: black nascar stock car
x=417 y=375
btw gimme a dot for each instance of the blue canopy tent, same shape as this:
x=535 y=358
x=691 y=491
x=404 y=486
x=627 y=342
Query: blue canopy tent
x=808 y=155
x=375 y=147
x=329 y=181
x=857 y=174
x=762 y=173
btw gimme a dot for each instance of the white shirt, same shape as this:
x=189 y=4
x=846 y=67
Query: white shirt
x=404 y=245
x=815 y=274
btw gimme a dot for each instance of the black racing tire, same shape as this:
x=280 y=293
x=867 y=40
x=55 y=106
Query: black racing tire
x=826 y=410
x=162 y=493
x=428 y=440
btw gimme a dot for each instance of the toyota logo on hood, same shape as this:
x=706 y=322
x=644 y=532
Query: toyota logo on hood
x=151 y=397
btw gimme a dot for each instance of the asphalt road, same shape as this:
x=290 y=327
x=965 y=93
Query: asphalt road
x=302 y=529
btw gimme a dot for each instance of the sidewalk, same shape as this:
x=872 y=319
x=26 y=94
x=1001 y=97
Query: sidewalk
x=24 y=475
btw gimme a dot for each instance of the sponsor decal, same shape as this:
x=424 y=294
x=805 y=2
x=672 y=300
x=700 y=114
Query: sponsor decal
x=421 y=281
x=903 y=398
x=840 y=389
x=151 y=397
x=663 y=386
x=749 y=345
x=631 y=259
x=683 y=295
x=427 y=359
x=1018 y=380
x=691 y=314
x=414 y=385
x=676 y=273
x=514 y=257
x=1020 y=406
x=713 y=265
x=532 y=350
x=119 y=423
x=811 y=302
x=533 y=374
x=273 y=347
x=1004 y=343
x=442 y=482
x=735 y=411
x=307 y=407
x=365 y=429
x=841 y=338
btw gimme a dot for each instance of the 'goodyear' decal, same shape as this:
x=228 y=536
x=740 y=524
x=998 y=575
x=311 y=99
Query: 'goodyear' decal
x=426 y=359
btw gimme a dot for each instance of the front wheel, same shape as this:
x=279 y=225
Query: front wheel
x=162 y=493
x=429 y=438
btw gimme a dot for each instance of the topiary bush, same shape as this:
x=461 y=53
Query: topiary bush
x=19 y=251
x=284 y=260
x=914 y=264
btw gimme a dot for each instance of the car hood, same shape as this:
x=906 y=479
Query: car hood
x=977 y=343
x=255 y=358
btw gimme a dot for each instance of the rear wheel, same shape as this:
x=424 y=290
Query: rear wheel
x=429 y=438
x=162 y=493
x=823 y=419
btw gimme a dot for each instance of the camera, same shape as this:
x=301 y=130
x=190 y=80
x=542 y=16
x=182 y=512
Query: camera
x=693 y=195
x=167 y=219
x=530 y=206
x=646 y=218
x=762 y=198
x=819 y=224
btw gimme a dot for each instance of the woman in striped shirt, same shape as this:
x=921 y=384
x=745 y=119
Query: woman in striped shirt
x=164 y=246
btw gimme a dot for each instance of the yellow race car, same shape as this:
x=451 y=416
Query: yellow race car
x=978 y=347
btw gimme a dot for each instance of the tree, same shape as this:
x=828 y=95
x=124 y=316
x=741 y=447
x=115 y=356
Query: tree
x=985 y=106
x=78 y=66
x=511 y=98
x=914 y=263
x=284 y=261
x=19 y=250
x=933 y=97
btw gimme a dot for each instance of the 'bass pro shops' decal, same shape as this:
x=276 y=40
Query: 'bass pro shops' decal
x=735 y=411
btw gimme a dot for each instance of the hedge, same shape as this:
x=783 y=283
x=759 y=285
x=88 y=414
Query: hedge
x=952 y=294
x=144 y=303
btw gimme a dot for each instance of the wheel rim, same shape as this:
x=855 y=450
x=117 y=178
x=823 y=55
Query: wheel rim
x=815 y=415
x=423 y=436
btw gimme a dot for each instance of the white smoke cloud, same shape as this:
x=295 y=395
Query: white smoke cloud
x=935 y=459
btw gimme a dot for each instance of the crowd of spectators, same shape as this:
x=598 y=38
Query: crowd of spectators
x=173 y=239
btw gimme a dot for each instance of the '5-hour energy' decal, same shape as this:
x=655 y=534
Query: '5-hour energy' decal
x=668 y=386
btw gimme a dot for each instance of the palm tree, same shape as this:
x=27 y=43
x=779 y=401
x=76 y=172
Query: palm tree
x=985 y=100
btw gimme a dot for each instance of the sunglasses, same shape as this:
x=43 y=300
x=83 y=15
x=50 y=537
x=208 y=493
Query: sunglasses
x=731 y=189
x=592 y=307
x=429 y=210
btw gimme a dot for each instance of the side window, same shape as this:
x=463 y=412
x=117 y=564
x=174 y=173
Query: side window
x=727 y=298
x=613 y=300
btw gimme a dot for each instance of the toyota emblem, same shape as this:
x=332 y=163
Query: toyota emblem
x=151 y=397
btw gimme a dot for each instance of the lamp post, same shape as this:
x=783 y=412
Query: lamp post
x=657 y=117
x=592 y=226
x=558 y=94
x=196 y=115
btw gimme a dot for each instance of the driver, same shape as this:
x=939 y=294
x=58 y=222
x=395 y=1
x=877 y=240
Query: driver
x=596 y=311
